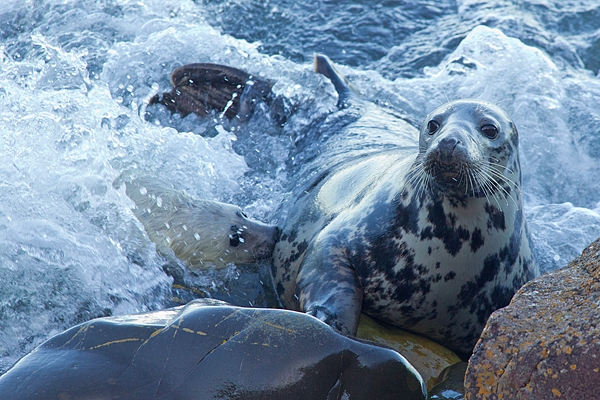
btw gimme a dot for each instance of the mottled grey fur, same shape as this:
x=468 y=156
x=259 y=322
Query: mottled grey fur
x=424 y=230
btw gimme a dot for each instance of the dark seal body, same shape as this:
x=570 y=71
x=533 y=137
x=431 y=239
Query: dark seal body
x=208 y=352
x=424 y=230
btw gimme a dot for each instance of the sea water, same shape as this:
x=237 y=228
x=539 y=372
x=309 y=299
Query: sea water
x=75 y=76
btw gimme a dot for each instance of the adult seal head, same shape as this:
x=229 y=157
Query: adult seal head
x=430 y=238
x=199 y=232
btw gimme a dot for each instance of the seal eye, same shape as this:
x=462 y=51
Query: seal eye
x=235 y=237
x=234 y=240
x=432 y=127
x=490 y=131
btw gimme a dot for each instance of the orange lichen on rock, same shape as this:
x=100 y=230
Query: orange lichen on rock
x=546 y=343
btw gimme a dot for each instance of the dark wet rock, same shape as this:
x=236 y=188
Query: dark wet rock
x=450 y=384
x=546 y=343
x=212 y=351
x=203 y=87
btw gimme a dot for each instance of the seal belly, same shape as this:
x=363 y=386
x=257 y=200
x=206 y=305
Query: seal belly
x=442 y=279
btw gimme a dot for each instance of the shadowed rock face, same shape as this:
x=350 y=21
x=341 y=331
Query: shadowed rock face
x=203 y=87
x=216 y=351
x=545 y=344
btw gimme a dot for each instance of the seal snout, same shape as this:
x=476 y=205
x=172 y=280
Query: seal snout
x=266 y=237
x=448 y=154
x=446 y=149
x=448 y=159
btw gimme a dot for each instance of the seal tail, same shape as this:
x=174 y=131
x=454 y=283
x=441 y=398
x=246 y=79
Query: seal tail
x=324 y=66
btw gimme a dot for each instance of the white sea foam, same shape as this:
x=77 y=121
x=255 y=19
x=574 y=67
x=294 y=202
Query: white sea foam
x=74 y=78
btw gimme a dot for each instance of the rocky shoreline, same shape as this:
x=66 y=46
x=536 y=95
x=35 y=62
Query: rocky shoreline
x=546 y=343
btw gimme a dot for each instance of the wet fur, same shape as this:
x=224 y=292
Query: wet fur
x=199 y=232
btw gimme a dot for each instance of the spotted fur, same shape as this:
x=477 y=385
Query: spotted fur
x=199 y=232
x=424 y=230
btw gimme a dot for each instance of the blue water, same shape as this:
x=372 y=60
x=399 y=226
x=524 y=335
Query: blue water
x=75 y=76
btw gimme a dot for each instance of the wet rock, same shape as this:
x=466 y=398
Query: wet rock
x=546 y=343
x=428 y=357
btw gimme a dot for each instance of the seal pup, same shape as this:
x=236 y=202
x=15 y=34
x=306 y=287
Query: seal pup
x=423 y=229
x=199 y=231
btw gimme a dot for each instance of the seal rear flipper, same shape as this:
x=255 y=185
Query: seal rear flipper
x=203 y=87
x=324 y=66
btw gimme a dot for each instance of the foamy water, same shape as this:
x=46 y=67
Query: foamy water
x=75 y=76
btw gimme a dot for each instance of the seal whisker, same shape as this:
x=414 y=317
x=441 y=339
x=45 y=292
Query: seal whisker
x=419 y=180
x=493 y=173
x=424 y=182
x=500 y=176
x=413 y=175
x=498 y=168
x=495 y=164
x=489 y=178
x=481 y=183
x=446 y=95
x=487 y=187
x=461 y=176
x=470 y=174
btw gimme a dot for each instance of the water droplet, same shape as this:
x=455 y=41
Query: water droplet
x=197 y=236
x=143 y=191
x=159 y=202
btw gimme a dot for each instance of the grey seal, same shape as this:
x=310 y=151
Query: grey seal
x=199 y=232
x=423 y=229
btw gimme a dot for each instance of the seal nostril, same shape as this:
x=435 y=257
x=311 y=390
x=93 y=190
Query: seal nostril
x=446 y=148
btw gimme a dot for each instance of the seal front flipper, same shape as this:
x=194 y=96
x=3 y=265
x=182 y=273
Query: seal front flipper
x=328 y=288
x=203 y=87
x=324 y=66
